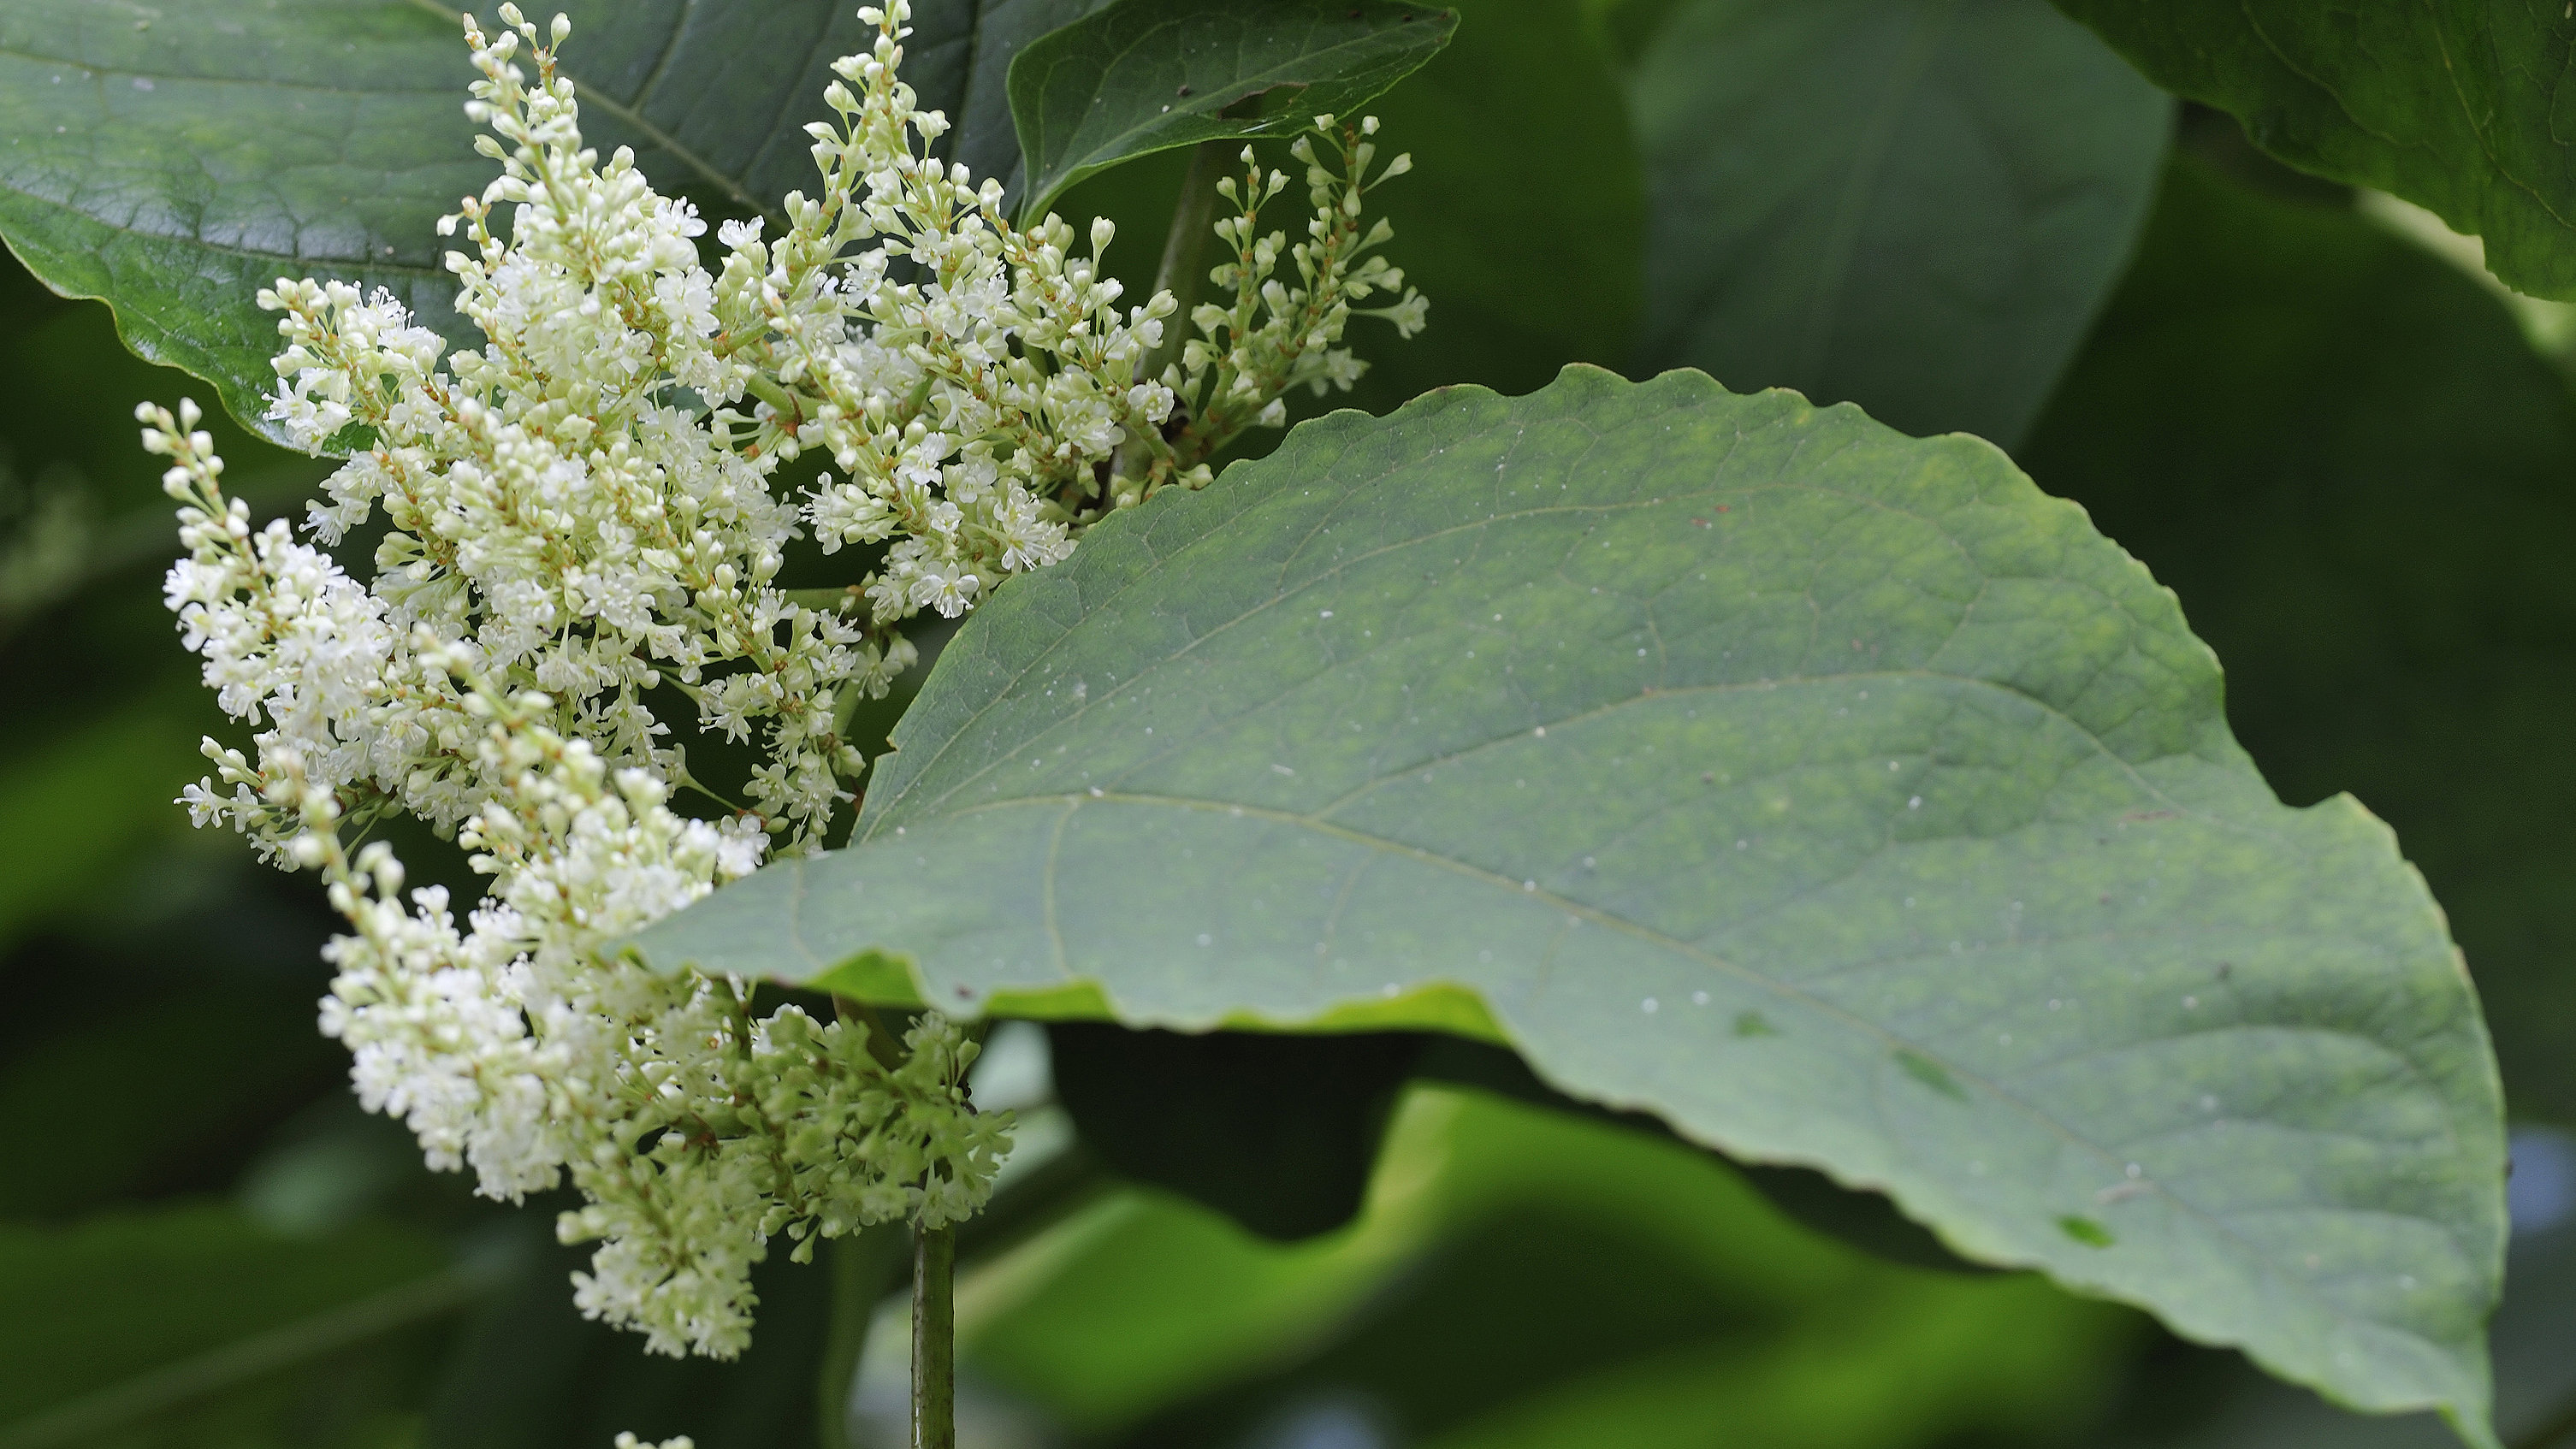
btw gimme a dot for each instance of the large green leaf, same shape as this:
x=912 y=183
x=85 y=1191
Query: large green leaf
x=1150 y=75
x=1836 y=796
x=1864 y=1220
x=177 y=163
x=2348 y=461
x=131 y=1102
x=1512 y=1260
x=2456 y=105
x=168 y=1315
x=1915 y=205
x=77 y=805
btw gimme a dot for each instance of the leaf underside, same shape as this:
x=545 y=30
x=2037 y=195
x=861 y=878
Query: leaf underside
x=1151 y=75
x=177 y=165
x=1836 y=796
x=2456 y=105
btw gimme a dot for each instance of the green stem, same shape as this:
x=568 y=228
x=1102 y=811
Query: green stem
x=865 y=1267
x=934 y=1338
x=1183 y=273
x=1184 y=270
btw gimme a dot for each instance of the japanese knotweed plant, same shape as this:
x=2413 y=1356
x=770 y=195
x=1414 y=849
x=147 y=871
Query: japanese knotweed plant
x=584 y=520
x=1833 y=794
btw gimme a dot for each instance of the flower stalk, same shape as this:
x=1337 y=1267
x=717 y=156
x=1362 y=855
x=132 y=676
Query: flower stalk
x=934 y=1338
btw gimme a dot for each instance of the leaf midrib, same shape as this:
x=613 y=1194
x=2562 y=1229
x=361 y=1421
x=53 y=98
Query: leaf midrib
x=1792 y=992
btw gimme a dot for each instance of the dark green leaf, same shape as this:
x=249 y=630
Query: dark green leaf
x=1864 y=1220
x=176 y=164
x=1512 y=1260
x=136 y=1315
x=1915 y=205
x=2456 y=105
x=532 y=1373
x=1525 y=231
x=135 y=1101
x=82 y=803
x=1150 y=75
x=1605 y=719
x=2347 y=460
x=1526 y=234
x=1276 y=1132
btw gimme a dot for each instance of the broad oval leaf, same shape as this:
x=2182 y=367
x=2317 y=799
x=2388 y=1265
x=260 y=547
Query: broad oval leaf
x=1914 y=205
x=2456 y=105
x=1150 y=75
x=1836 y=796
x=174 y=165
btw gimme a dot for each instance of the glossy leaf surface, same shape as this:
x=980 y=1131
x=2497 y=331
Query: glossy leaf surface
x=2456 y=105
x=1150 y=75
x=1836 y=796
x=1916 y=206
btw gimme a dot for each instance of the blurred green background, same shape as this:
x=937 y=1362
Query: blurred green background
x=2348 y=454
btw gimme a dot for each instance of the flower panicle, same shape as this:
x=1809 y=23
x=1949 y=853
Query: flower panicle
x=582 y=530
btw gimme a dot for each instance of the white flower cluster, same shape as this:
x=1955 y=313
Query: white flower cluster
x=580 y=524
x=695 y=1132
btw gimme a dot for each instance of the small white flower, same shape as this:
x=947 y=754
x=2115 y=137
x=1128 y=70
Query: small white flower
x=569 y=536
